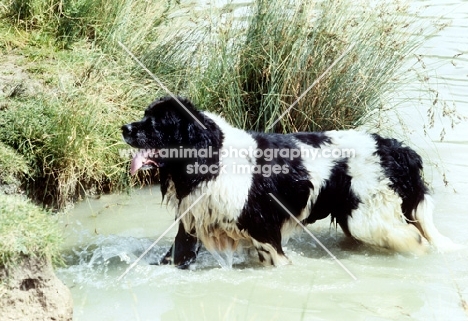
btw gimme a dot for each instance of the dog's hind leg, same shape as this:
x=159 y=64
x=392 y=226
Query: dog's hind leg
x=424 y=222
x=379 y=221
x=184 y=250
x=395 y=235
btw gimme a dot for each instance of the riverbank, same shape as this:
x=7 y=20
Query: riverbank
x=30 y=243
x=31 y=291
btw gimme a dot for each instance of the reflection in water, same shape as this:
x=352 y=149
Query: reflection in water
x=104 y=236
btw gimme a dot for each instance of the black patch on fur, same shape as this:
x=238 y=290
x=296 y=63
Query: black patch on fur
x=262 y=217
x=403 y=167
x=336 y=198
x=316 y=140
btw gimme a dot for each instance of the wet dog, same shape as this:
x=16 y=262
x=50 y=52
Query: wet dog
x=235 y=189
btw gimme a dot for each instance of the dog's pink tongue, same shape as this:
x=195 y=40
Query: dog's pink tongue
x=137 y=163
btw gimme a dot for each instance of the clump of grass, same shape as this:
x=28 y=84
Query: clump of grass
x=12 y=165
x=252 y=70
x=26 y=230
x=67 y=148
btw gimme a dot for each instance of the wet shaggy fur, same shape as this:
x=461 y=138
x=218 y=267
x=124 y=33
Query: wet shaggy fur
x=376 y=195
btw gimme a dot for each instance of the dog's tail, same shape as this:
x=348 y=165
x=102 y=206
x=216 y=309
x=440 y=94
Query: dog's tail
x=425 y=224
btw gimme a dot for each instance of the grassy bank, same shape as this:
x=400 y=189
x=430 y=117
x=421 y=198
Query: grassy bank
x=61 y=114
x=26 y=231
x=30 y=241
x=69 y=85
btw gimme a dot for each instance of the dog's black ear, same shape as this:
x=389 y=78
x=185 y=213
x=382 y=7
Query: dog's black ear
x=200 y=130
x=189 y=112
x=210 y=136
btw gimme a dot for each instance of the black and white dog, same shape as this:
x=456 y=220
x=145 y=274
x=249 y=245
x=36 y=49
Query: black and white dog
x=229 y=182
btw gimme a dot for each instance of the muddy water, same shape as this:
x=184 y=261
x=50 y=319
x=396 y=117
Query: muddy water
x=105 y=236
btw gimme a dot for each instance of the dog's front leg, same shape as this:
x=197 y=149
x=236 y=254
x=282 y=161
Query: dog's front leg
x=184 y=250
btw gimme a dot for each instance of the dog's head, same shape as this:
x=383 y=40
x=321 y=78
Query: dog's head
x=167 y=124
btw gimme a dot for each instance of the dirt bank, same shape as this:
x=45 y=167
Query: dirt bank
x=31 y=291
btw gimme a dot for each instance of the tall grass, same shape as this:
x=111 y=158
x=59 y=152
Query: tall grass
x=246 y=62
x=94 y=20
x=252 y=70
